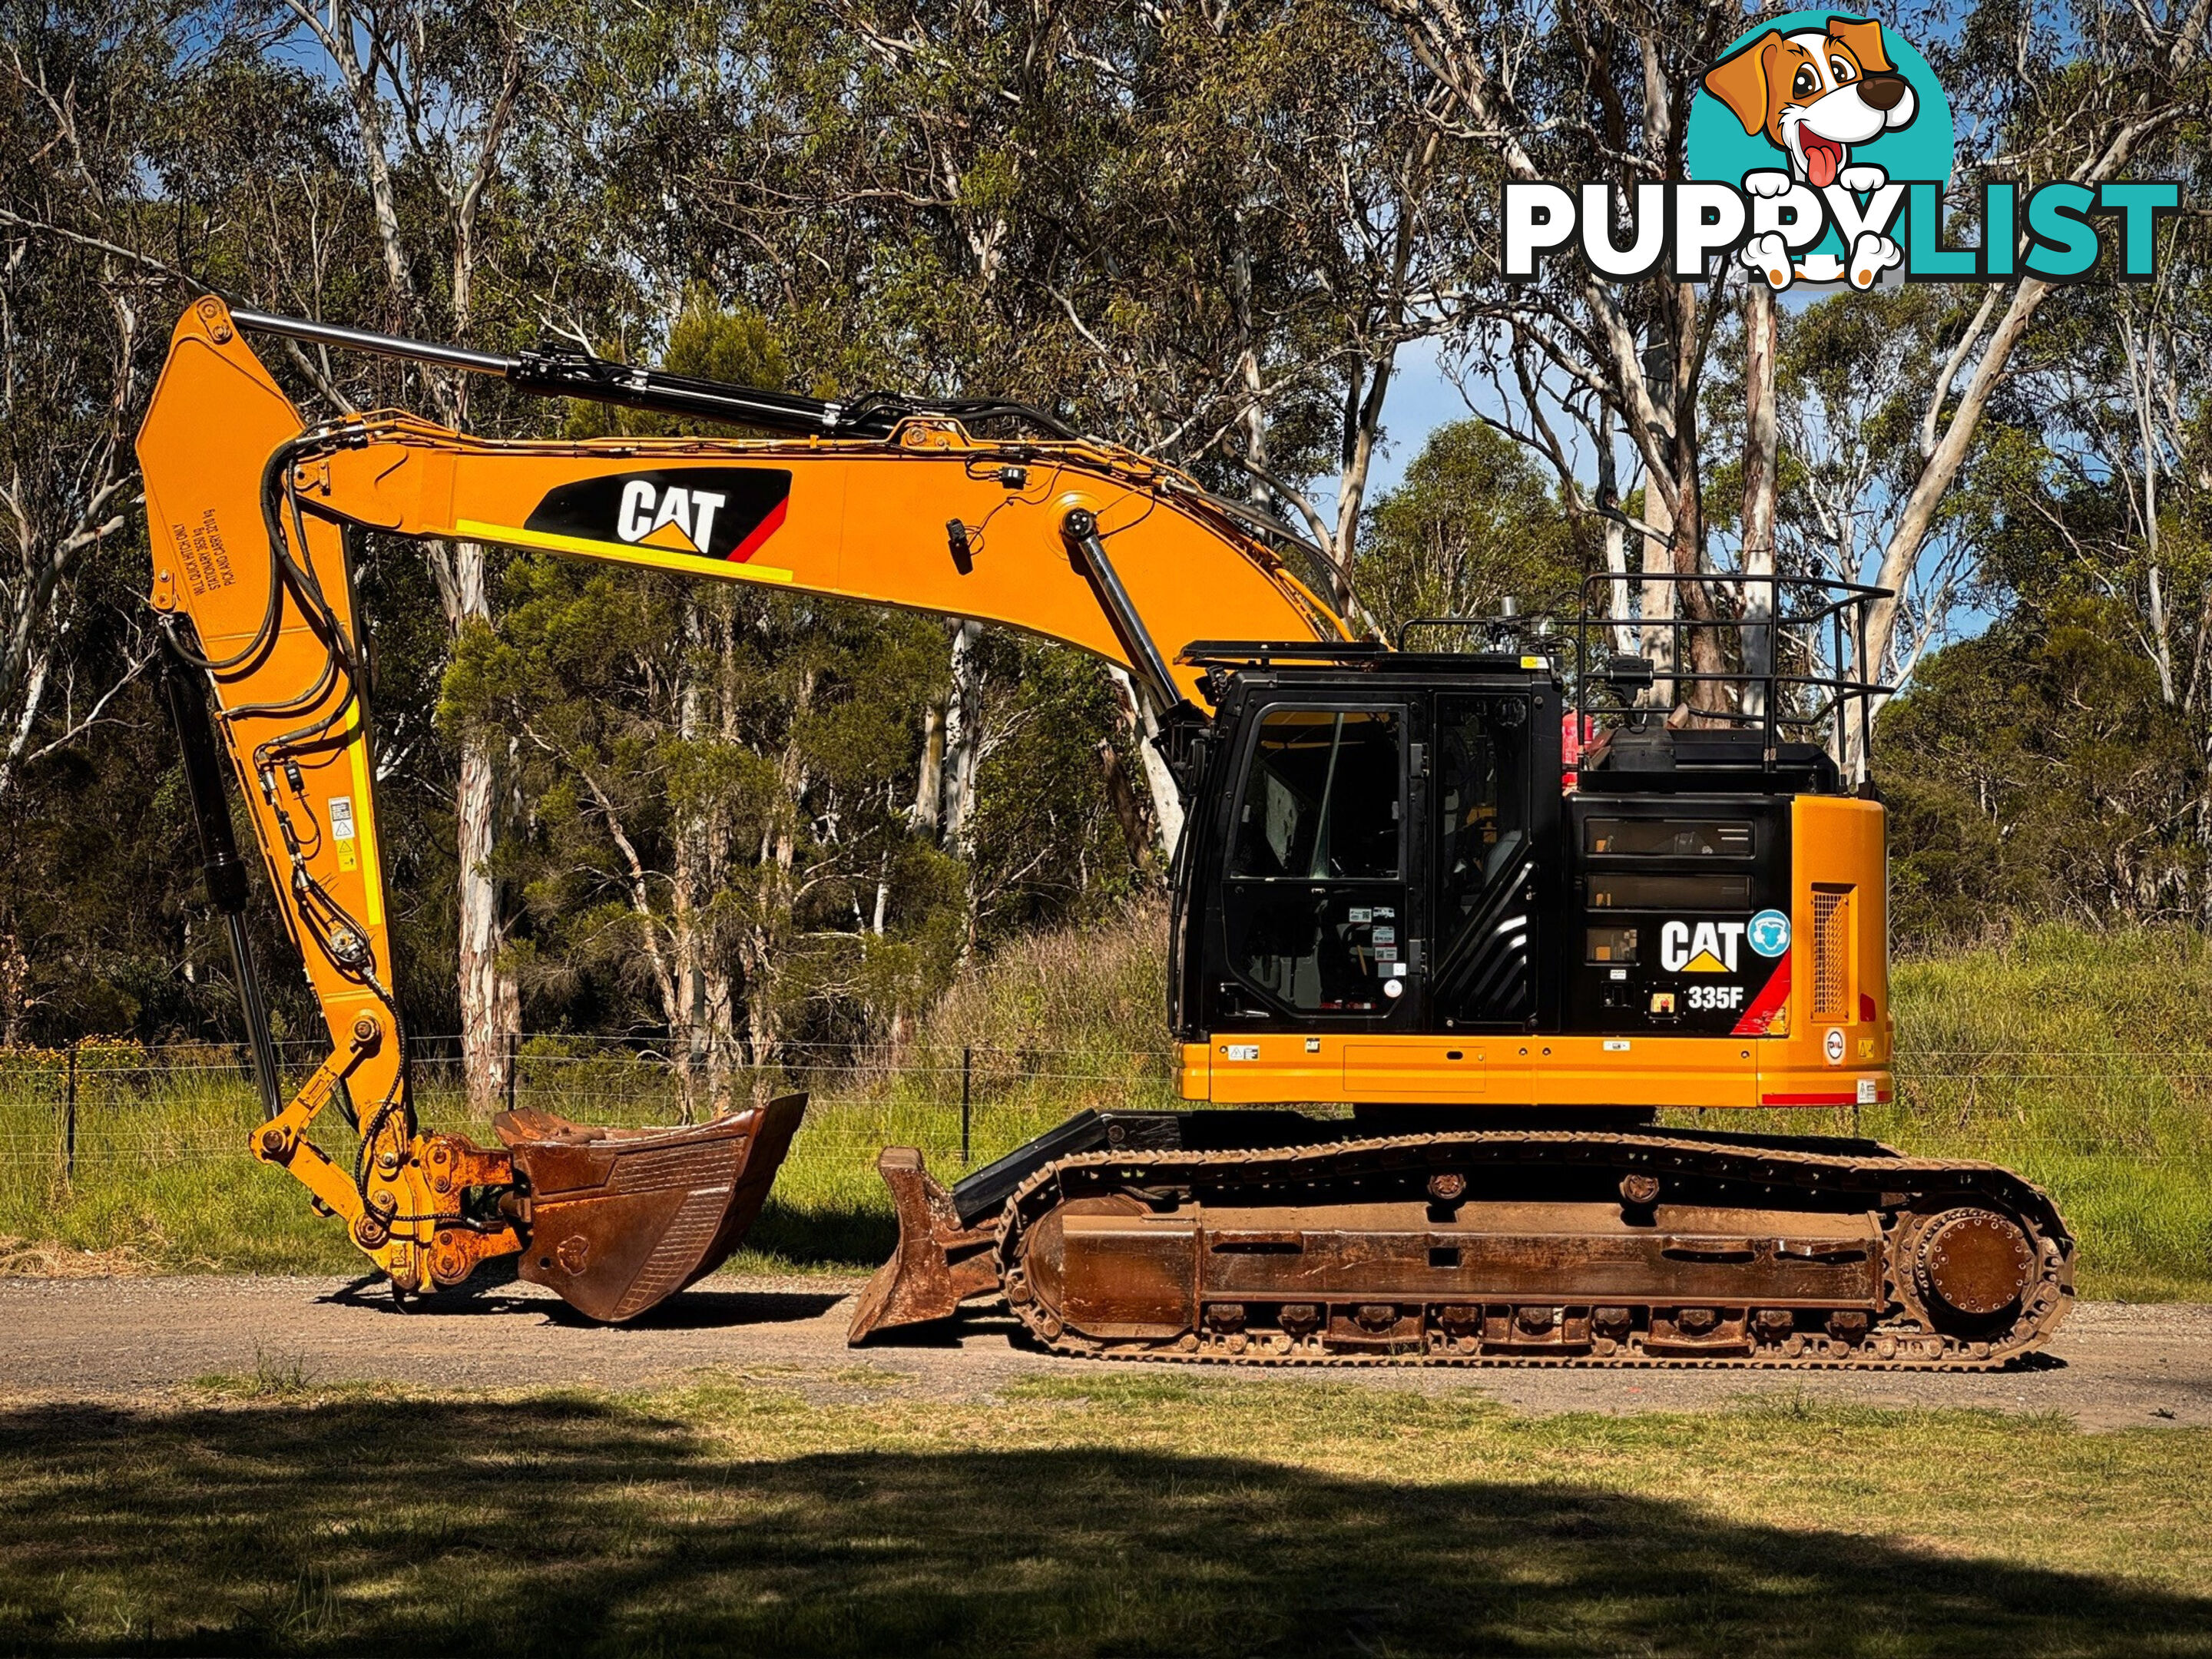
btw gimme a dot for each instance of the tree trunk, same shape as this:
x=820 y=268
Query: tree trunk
x=929 y=789
x=1138 y=713
x=964 y=734
x=1621 y=638
x=15 y=988
x=1701 y=641
x=1658 y=597
x=1759 y=491
x=689 y=1036
x=34 y=696
x=490 y=1008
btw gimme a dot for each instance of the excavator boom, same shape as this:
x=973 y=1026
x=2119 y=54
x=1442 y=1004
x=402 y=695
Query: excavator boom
x=884 y=501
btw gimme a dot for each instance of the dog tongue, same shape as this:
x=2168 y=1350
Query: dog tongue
x=1822 y=161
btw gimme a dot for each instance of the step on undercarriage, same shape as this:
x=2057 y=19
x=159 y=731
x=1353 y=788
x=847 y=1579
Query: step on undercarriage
x=1487 y=1247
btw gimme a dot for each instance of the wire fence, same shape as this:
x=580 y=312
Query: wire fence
x=120 y=1104
x=108 y=1106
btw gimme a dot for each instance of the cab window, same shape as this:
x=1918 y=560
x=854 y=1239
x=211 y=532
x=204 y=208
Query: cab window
x=1314 y=903
x=1320 y=797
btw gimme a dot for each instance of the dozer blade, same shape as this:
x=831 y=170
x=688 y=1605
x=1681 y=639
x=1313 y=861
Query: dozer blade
x=621 y=1219
x=940 y=1263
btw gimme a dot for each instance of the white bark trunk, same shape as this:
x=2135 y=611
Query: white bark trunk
x=929 y=789
x=1621 y=637
x=1160 y=781
x=490 y=1007
x=1658 y=610
x=964 y=731
x=1759 y=488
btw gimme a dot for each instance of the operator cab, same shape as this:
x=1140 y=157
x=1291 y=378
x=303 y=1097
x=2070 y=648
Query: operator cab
x=1408 y=843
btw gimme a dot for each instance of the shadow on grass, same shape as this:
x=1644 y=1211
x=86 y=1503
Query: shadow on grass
x=559 y=1527
x=848 y=1237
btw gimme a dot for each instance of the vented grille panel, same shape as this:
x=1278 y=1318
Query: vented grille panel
x=1831 y=953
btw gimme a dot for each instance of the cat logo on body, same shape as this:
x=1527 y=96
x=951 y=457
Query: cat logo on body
x=1708 y=948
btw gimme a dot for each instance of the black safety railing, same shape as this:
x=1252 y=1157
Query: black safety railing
x=1794 y=669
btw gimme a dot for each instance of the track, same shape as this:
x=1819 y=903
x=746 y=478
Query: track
x=1562 y=1248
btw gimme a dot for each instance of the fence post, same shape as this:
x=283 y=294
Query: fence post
x=69 y=1119
x=967 y=1080
x=514 y=1060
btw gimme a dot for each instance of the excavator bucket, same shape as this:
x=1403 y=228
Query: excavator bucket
x=622 y=1219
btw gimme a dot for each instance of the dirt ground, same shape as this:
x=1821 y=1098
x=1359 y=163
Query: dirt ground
x=2113 y=1365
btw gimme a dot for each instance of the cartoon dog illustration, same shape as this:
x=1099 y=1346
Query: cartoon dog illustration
x=1813 y=94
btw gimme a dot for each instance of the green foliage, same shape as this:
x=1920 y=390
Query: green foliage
x=2083 y=1059
x=1046 y=847
x=1473 y=522
x=2035 y=771
x=713 y=773
x=115 y=123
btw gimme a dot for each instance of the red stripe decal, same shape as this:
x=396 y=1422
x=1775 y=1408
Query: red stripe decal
x=766 y=528
x=1768 y=1003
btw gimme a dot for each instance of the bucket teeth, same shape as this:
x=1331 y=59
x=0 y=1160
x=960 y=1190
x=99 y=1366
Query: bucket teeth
x=621 y=1219
x=938 y=1264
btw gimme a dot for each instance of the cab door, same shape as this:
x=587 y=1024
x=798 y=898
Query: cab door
x=1316 y=872
x=1488 y=871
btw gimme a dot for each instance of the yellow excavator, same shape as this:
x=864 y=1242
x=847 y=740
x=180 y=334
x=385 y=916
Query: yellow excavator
x=1491 y=905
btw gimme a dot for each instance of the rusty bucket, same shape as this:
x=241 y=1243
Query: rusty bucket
x=621 y=1219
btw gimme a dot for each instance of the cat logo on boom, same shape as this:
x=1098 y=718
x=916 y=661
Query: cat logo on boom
x=1711 y=948
x=708 y=511
x=681 y=520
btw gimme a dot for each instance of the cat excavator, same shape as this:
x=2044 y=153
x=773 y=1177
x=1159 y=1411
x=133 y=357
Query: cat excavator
x=1452 y=926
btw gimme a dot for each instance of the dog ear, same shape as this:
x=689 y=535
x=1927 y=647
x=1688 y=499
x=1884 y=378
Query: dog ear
x=1864 y=40
x=1741 y=82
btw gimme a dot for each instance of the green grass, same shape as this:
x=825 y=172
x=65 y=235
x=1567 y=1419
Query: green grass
x=2082 y=1060
x=1112 y=1514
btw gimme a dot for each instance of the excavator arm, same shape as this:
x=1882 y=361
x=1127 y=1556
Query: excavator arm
x=882 y=501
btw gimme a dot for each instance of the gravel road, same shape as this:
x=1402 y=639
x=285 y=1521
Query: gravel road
x=2113 y=1365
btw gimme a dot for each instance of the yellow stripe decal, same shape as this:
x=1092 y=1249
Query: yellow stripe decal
x=364 y=816
x=689 y=563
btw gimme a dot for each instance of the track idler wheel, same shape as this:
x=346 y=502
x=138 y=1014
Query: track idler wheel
x=1973 y=1262
x=619 y=1221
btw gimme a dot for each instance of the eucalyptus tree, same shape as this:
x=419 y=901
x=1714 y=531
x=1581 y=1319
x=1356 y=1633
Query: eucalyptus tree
x=434 y=92
x=1207 y=231
x=2082 y=90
